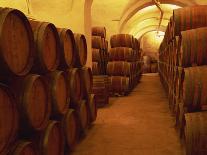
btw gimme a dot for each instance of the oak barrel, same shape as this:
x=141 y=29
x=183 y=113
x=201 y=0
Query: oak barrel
x=119 y=68
x=192 y=49
x=81 y=50
x=121 y=54
x=70 y=128
x=17 y=43
x=67 y=48
x=97 y=42
x=59 y=91
x=122 y=40
x=119 y=84
x=9 y=121
x=75 y=86
x=194 y=87
x=82 y=116
x=195 y=133
x=23 y=148
x=99 y=31
x=92 y=108
x=33 y=102
x=86 y=81
x=50 y=141
x=47 y=46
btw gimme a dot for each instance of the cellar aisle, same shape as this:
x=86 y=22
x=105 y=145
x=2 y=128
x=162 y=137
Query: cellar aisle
x=139 y=124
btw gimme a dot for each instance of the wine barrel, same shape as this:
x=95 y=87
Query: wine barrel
x=194 y=88
x=9 y=121
x=121 y=54
x=99 y=31
x=47 y=46
x=23 y=148
x=75 y=86
x=92 y=108
x=33 y=102
x=50 y=141
x=101 y=90
x=67 y=46
x=192 y=49
x=189 y=18
x=59 y=91
x=97 y=55
x=17 y=43
x=119 y=68
x=119 y=84
x=122 y=40
x=70 y=128
x=83 y=116
x=154 y=67
x=97 y=42
x=195 y=133
x=81 y=50
x=96 y=68
x=87 y=81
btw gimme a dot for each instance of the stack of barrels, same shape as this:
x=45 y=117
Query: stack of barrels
x=45 y=90
x=99 y=50
x=100 y=60
x=183 y=72
x=124 y=66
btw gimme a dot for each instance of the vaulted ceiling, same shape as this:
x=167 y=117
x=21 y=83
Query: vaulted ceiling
x=136 y=17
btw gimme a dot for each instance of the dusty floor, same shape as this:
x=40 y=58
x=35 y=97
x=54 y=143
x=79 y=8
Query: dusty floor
x=139 y=124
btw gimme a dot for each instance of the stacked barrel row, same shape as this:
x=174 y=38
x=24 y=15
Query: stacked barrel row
x=100 y=60
x=183 y=72
x=99 y=50
x=45 y=90
x=124 y=66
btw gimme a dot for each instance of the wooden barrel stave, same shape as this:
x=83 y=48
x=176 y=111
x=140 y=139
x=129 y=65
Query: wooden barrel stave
x=67 y=48
x=99 y=31
x=70 y=129
x=47 y=47
x=122 y=40
x=81 y=50
x=59 y=92
x=87 y=81
x=75 y=87
x=119 y=68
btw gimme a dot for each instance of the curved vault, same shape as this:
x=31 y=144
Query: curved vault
x=147 y=19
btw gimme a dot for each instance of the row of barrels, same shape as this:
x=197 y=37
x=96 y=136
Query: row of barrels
x=46 y=92
x=37 y=47
x=46 y=112
x=182 y=68
x=99 y=50
x=183 y=19
x=124 y=66
x=187 y=50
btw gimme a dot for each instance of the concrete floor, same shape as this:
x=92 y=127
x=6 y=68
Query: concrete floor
x=139 y=124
